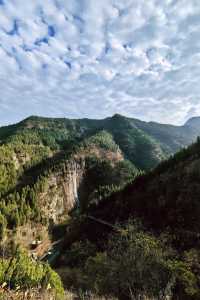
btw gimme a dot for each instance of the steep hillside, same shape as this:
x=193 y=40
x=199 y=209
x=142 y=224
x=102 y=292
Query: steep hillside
x=61 y=174
x=42 y=179
x=166 y=202
x=48 y=166
x=164 y=198
x=145 y=144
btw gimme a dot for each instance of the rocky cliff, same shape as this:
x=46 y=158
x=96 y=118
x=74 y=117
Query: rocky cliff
x=62 y=191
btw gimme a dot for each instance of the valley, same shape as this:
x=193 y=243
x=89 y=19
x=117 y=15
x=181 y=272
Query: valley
x=79 y=194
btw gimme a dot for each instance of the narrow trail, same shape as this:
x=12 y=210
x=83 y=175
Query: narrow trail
x=103 y=222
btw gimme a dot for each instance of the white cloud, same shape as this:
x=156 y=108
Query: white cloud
x=87 y=58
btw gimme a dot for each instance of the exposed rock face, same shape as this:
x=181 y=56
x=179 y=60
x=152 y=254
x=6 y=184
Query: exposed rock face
x=61 y=194
x=71 y=183
x=62 y=191
x=112 y=156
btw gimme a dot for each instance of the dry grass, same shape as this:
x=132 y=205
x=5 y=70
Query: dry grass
x=43 y=295
x=70 y=296
x=26 y=295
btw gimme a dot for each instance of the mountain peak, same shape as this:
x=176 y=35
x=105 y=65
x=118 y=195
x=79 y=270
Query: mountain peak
x=193 y=122
x=118 y=116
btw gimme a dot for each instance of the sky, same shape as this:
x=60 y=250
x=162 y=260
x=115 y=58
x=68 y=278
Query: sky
x=95 y=58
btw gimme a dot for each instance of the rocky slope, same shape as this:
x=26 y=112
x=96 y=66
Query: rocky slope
x=65 y=187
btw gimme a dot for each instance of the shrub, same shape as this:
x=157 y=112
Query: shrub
x=134 y=265
x=21 y=272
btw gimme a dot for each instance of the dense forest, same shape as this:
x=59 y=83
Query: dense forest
x=125 y=217
x=148 y=243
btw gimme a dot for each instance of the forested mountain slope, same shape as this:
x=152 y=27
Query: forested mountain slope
x=164 y=198
x=166 y=202
x=53 y=168
x=44 y=174
x=49 y=165
x=144 y=143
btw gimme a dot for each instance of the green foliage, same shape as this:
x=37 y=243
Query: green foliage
x=52 y=280
x=102 y=139
x=79 y=252
x=22 y=206
x=165 y=197
x=101 y=193
x=8 y=171
x=103 y=178
x=14 y=159
x=186 y=281
x=133 y=264
x=34 y=149
x=136 y=263
x=22 y=272
x=3 y=225
x=138 y=146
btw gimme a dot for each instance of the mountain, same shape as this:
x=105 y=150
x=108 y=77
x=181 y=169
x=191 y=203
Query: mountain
x=193 y=122
x=166 y=201
x=165 y=197
x=144 y=143
x=54 y=173
x=48 y=165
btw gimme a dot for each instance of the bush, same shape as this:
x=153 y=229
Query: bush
x=21 y=272
x=134 y=265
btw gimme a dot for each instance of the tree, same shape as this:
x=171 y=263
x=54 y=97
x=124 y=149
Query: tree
x=3 y=225
x=135 y=266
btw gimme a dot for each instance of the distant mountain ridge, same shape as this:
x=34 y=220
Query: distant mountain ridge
x=193 y=122
x=145 y=144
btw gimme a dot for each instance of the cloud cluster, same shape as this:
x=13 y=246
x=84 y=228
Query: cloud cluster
x=87 y=58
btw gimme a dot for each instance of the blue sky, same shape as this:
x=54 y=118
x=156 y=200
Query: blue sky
x=89 y=58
